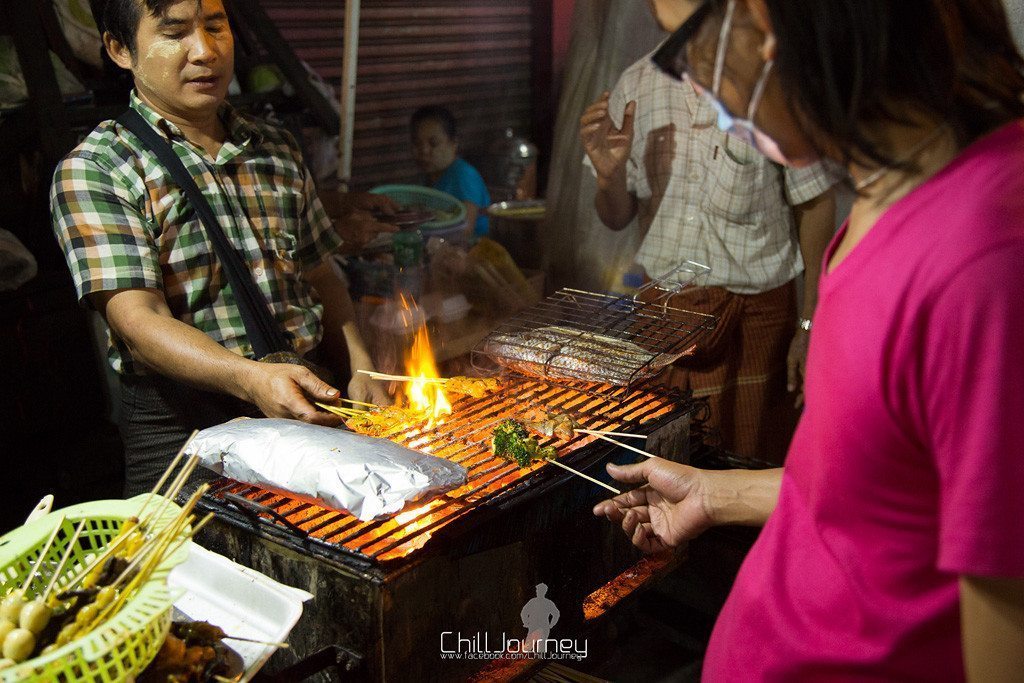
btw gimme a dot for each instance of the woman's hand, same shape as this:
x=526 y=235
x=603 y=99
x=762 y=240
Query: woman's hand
x=677 y=502
x=667 y=509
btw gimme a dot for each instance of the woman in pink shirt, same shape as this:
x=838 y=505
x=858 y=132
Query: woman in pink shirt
x=893 y=540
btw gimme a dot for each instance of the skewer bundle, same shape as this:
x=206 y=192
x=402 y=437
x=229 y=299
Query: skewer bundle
x=37 y=617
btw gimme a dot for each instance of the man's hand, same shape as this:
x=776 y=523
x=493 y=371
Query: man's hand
x=363 y=388
x=666 y=510
x=288 y=391
x=607 y=146
x=796 y=363
x=374 y=203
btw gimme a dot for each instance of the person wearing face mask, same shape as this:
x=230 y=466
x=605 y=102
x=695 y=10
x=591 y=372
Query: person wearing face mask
x=664 y=156
x=892 y=547
x=139 y=253
x=435 y=144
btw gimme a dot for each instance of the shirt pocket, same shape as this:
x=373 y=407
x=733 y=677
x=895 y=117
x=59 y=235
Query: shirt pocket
x=278 y=218
x=733 y=183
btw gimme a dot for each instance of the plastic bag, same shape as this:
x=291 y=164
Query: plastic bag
x=368 y=477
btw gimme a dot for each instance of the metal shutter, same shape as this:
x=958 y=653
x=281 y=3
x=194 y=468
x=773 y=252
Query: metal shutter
x=472 y=56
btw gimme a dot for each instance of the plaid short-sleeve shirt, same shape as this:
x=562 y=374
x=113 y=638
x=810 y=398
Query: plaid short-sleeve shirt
x=124 y=224
x=704 y=195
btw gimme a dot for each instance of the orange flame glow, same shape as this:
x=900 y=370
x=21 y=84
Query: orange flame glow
x=421 y=394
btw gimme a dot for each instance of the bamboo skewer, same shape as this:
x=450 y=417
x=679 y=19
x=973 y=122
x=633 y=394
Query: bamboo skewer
x=626 y=446
x=339 y=411
x=588 y=478
x=167 y=472
x=402 y=378
x=63 y=561
x=42 y=554
x=601 y=432
x=272 y=643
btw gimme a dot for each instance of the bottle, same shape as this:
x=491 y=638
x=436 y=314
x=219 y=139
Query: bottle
x=410 y=274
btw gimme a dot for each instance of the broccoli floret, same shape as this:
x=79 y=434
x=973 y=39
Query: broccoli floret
x=511 y=440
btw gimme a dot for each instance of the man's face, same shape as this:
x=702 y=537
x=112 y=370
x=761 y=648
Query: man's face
x=433 y=149
x=184 y=59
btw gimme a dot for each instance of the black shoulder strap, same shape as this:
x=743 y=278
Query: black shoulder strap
x=263 y=332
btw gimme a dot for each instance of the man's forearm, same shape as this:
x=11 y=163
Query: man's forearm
x=342 y=344
x=742 y=497
x=174 y=349
x=615 y=204
x=815 y=222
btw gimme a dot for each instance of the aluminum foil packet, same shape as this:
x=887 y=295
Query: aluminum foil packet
x=368 y=477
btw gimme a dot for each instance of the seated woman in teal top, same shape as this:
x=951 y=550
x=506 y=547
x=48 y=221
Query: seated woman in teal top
x=435 y=146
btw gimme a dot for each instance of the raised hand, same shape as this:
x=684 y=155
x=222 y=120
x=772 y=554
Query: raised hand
x=607 y=147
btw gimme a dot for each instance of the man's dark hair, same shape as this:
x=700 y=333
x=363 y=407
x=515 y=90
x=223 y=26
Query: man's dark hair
x=121 y=18
x=847 y=63
x=437 y=113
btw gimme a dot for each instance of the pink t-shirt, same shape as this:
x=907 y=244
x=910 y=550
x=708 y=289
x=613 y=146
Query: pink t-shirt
x=907 y=469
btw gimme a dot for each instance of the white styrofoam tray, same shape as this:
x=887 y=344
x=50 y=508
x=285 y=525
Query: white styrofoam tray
x=241 y=601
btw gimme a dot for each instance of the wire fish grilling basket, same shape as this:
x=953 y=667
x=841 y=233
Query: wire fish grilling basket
x=593 y=337
x=126 y=643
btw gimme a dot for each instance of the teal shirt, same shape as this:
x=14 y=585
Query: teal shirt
x=464 y=182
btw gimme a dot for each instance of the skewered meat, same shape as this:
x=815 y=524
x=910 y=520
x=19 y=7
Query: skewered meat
x=512 y=441
x=477 y=387
x=383 y=421
x=567 y=353
x=555 y=424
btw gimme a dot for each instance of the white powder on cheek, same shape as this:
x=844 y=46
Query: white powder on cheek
x=164 y=49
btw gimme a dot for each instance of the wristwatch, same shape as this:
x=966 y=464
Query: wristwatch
x=804 y=324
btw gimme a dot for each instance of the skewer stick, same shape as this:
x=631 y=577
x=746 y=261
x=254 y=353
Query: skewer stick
x=39 y=560
x=601 y=432
x=402 y=378
x=359 y=403
x=588 y=478
x=102 y=557
x=167 y=472
x=63 y=560
x=626 y=446
x=272 y=643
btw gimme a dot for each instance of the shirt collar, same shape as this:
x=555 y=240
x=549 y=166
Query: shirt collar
x=239 y=129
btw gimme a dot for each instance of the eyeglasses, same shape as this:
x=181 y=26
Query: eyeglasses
x=671 y=59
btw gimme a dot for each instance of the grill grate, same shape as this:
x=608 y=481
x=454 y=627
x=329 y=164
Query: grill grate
x=548 y=340
x=464 y=438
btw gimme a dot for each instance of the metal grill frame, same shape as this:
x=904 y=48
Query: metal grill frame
x=663 y=332
x=295 y=521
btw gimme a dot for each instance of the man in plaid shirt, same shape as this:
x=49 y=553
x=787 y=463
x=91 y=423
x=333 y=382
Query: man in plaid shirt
x=703 y=196
x=140 y=255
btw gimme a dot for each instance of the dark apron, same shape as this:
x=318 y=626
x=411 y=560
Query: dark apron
x=158 y=415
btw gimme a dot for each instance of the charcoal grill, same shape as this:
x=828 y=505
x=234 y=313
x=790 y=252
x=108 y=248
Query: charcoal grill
x=466 y=561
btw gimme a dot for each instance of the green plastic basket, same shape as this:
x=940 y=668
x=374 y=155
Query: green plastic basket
x=454 y=211
x=126 y=643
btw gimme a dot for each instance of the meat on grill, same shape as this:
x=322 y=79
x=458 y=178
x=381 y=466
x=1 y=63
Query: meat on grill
x=567 y=353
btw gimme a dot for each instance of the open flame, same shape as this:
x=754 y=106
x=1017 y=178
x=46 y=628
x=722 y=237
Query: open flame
x=421 y=394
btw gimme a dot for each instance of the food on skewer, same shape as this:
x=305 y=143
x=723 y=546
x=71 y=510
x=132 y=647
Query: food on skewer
x=192 y=651
x=476 y=387
x=383 y=421
x=561 y=425
x=512 y=441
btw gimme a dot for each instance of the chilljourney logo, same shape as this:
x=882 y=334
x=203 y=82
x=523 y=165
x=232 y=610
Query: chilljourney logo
x=539 y=616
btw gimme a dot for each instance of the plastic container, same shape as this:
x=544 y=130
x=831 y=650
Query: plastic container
x=241 y=601
x=126 y=643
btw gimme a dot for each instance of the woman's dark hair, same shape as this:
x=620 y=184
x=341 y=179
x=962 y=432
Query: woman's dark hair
x=437 y=113
x=851 y=62
x=121 y=18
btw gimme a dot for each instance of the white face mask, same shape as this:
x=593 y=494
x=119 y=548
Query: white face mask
x=743 y=129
